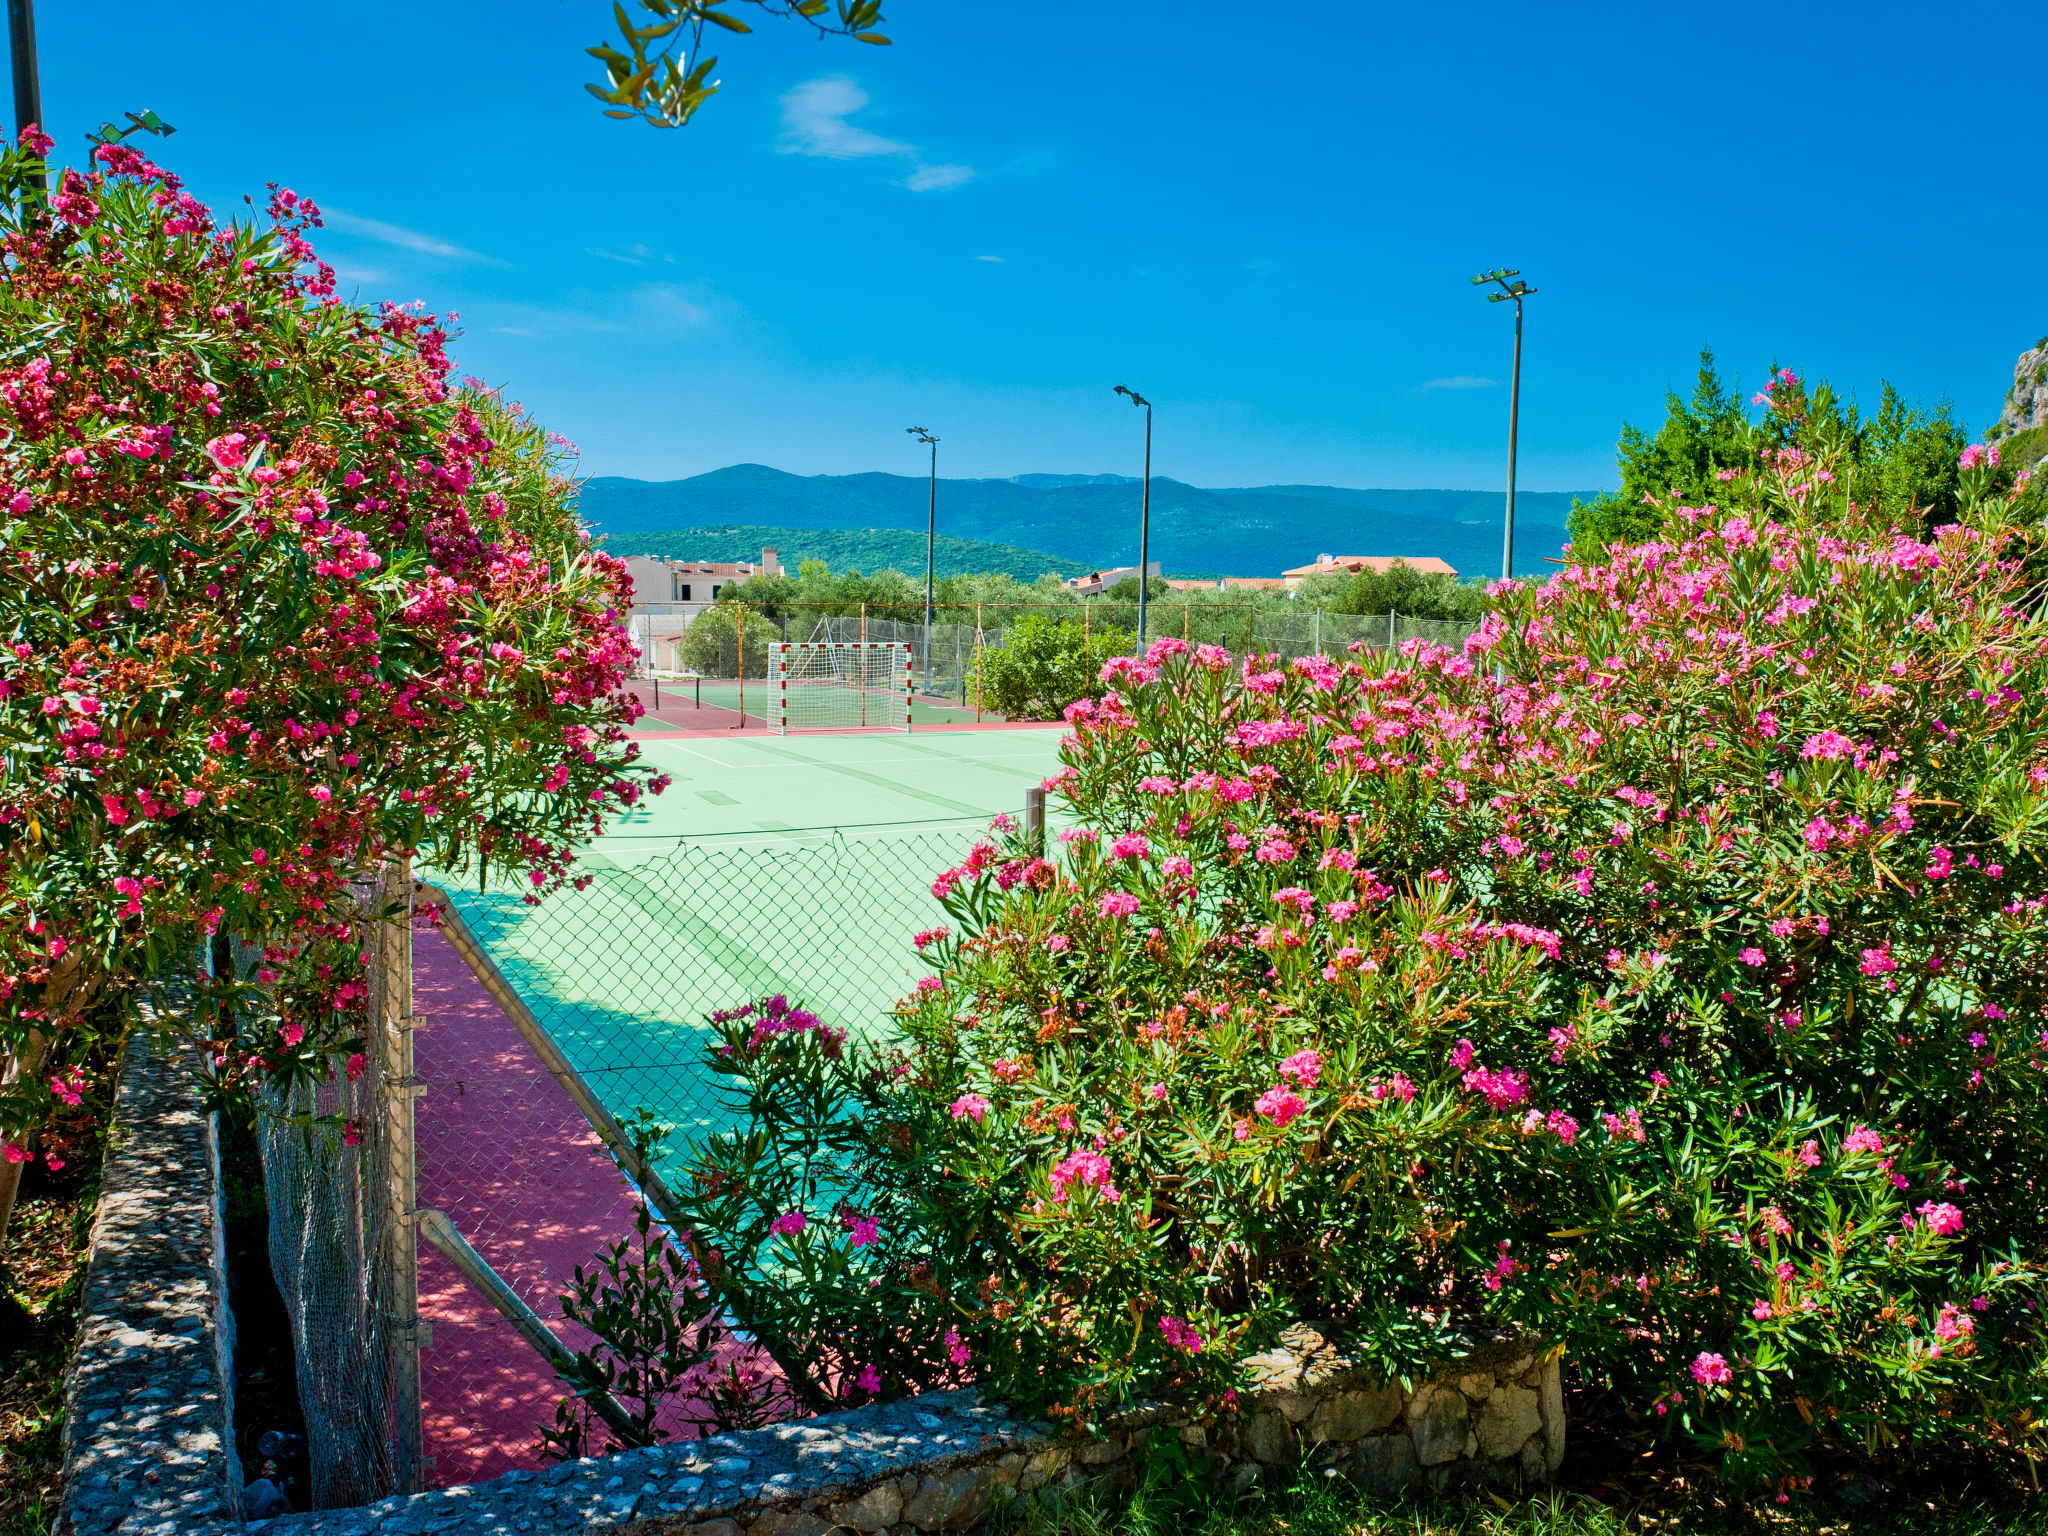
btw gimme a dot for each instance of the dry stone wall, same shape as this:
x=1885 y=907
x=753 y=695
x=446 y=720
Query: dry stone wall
x=147 y=1446
x=150 y=1451
x=940 y=1462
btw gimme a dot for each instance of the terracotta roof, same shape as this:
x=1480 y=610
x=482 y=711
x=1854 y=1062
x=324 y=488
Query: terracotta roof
x=1351 y=565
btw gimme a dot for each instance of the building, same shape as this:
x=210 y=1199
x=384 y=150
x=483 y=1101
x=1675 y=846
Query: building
x=1351 y=565
x=668 y=594
x=1095 y=583
x=1230 y=584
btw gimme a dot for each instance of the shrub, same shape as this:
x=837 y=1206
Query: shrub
x=1900 y=463
x=1663 y=973
x=1043 y=665
x=717 y=645
x=278 y=601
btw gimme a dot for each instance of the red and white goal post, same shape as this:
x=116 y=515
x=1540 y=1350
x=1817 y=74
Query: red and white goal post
x=833 y=685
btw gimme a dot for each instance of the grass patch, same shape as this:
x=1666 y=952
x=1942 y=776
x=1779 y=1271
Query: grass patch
x=1163 y=1495
x=1313 y=1506
x=42 y=1278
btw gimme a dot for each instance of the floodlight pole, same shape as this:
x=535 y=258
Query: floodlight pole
x=28 y=89
x=1516 y=291
x=1144 y=514
x=931 y=530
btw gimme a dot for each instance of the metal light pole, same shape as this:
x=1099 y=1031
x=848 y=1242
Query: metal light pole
x=1516 y=291
x=1144 y=514
x=931 y=534
x=28 y=89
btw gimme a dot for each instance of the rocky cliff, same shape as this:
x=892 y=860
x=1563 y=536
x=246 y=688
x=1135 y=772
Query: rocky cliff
x=2022 y=428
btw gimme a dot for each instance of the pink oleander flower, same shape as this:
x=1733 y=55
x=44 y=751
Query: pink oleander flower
x=1131 y=845
x=956 y=1350
x=1181 y=1335
x=1303 y=1067
x=971 y=1106
x=1395 y=1087
x=788 y=1223
x=870 y=1379
x=1710 y=1370
x=1117 y=904
x=1752 y=956
x=1084 y=1170
x=862 y=1230
x=1942 y=1220
x=1862 y=1139
x=1281 y=1105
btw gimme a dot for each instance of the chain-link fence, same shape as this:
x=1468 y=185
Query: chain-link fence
x=622 y=973
x=338 y=1181
x=731 y=640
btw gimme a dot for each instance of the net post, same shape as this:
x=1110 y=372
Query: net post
x=1034 y=821
x=397 y=1178
x=908 y=685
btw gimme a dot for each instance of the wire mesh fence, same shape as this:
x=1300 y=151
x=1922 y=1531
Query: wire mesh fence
x=538 y=1030
x=338 y=1183
x=622 y=973
x=733 y=640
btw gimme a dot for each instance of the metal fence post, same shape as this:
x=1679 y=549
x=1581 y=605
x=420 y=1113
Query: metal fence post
x=1034 y=821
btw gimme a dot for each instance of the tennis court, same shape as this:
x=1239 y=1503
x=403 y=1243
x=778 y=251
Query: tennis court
x=715 y=703
x=798 y=864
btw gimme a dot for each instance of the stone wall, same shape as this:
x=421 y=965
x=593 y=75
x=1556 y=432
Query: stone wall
x=939 y=1462
x=147 y=1446
x=149 y=1449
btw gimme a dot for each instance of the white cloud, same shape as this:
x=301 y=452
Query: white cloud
x=1461 y=381
x=348 y=272
x=402 y=238
x=631 y=261
x=510 y=330
x=814 y=122
x=938 y=178
x=996 y=259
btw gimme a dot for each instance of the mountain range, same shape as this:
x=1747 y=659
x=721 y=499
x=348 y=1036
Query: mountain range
x=848 y=549
x=1093 y=519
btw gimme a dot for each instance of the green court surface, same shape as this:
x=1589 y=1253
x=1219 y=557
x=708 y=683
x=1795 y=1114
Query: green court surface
x=800 y=864
x=763 y=787
x=725 y=694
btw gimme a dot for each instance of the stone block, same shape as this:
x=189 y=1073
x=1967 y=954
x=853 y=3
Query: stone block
x=1439 y=1422
x=713 y=1528
x=1099 y=1453
x=1476 y=1384
x=1386 y=1464
x=1506 y=1422
x=1531 y=1461
x=949 y=1501
x=1271 y=1440
x=1042 y=1469
x=1349 y=1416
x=1291 y=1406
x=880 y=1506
x=1550 y=1398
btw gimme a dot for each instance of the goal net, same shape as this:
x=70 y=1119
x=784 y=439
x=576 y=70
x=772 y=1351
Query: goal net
x=826 y=685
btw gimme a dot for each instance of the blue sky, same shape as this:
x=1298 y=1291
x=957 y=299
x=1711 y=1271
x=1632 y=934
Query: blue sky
x=1263 y=217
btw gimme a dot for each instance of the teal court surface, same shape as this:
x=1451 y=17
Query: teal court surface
x=793 y=864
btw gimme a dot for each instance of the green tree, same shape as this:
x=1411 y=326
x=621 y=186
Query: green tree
x=1043 y=665
x=1400 y=588
x=712 y=645
x=664 y=74
x=1899 y=463
x=1696 y=442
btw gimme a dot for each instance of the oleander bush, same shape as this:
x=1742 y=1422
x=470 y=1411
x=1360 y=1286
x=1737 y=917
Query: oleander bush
x=1663 y=972
x=278 y=599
